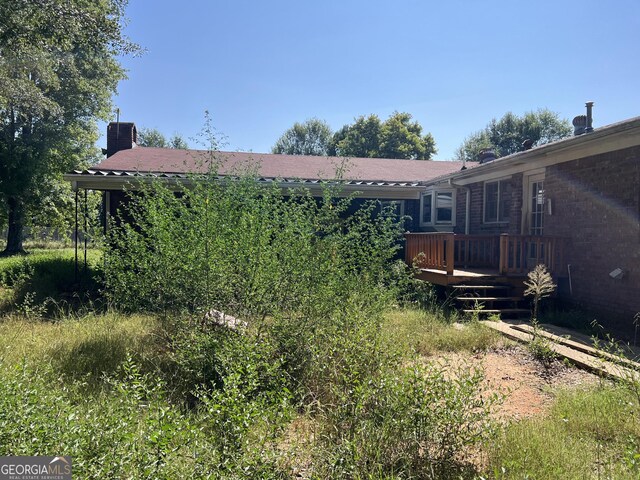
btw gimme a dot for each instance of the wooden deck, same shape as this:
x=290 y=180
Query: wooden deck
x=474 y=276
x=447 y=258
x=484 y=273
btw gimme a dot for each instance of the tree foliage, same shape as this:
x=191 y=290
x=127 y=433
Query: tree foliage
x=178 y=142
x=312 y=137
x=359 y=139
x=506 y=135
x=366 y=137
x=152 y=137
x=396 y=137
x=58 y=70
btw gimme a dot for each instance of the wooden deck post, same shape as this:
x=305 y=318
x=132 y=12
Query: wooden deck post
x=503 y=265
x=449 y=254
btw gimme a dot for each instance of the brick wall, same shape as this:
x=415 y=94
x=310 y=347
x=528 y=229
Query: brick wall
x=596 y=203
x=120 y=136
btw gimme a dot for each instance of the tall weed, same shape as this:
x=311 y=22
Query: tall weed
x=311 y=277
x=407 y=422
x=297 y=269
x=131 y=431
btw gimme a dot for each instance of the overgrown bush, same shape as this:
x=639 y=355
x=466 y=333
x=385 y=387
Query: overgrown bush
x=245 y=249
x=412 y=292
x=407 y=422
x=311 y=278
x=131 y=431
x=205 y=357
x=45 y=281
x=297 y=269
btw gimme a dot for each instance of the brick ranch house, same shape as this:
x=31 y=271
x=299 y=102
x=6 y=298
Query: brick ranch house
x=573 y=204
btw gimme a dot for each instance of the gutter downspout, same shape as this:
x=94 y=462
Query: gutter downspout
x=467 y=207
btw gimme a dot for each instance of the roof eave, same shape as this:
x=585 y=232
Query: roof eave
x=606 y=139
x=365 y=189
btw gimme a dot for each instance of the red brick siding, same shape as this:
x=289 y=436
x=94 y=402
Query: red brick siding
x=596 y=203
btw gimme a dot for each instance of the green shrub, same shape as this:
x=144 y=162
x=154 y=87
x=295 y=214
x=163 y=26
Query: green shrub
x=312 y=283
x=46 y=279
x=298 y=270
x=412 y=292
x=205 y=357
x=131 y=431
x=408 y=422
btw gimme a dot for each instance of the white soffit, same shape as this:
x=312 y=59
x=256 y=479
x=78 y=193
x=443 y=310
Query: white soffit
x=609 y=139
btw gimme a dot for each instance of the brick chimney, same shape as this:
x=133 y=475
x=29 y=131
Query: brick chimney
x=121 y=136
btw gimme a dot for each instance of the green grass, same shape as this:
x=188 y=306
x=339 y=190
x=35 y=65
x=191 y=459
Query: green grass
x=83 y=348
x=29 y=280
x=98 y=386
x=430 y=332
x=592 y=433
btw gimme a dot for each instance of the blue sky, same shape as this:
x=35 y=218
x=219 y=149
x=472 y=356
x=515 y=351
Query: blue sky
x=260 y=66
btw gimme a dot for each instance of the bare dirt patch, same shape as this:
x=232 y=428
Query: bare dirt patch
x=527 y=386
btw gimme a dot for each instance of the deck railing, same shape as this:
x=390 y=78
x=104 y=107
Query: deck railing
x=430 y=250
x=476 y=251
x=508 y=254
x=519 y=254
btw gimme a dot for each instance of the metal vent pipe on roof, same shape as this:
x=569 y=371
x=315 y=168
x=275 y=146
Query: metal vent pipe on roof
x=589 y=127
x=487 y=155
x=579 y=125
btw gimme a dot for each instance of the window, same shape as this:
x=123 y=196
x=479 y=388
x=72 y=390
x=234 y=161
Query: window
x=437 y=208
x=426 y=209
x=396 y=205
x=497 y=196
x=444 y=207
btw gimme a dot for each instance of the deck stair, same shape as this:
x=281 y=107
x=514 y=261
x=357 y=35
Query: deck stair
x=490 y=299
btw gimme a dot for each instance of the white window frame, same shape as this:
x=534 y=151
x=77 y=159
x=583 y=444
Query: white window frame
x=386 y=203
x=484 y=201
x=433 y=193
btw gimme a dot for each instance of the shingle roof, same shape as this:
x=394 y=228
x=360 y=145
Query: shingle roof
x=159 y=161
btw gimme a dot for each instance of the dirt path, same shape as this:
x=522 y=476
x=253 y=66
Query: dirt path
x=526 y=385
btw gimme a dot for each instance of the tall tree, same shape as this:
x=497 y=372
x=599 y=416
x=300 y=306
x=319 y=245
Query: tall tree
x=507 y=135
x=402 y=138
x=58 y=70
x=152 y=137
x=176 y=141
x=359 y=139
x=396 y=137
x=312 y=137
